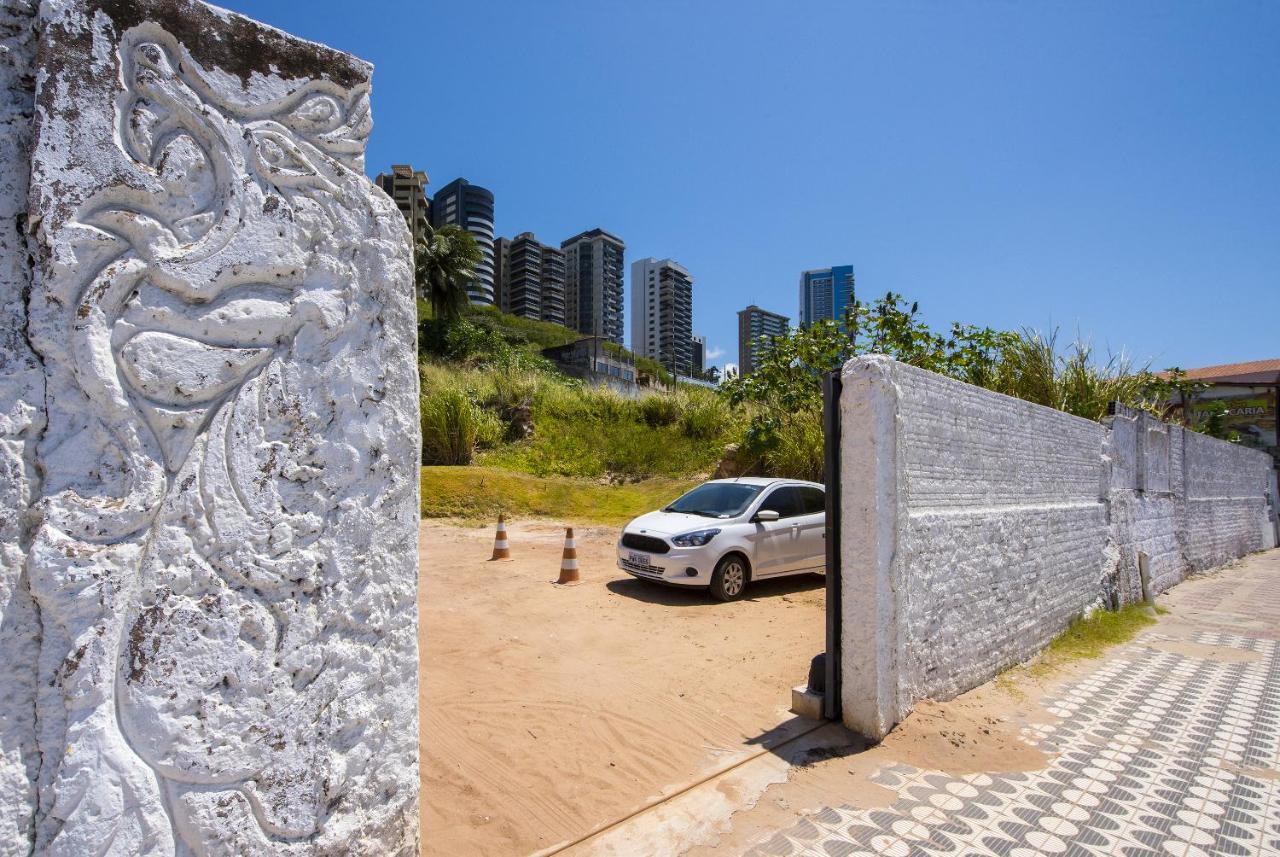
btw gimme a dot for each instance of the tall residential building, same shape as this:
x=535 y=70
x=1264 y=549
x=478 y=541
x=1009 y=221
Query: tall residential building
x=662 y=313
x=593 y=276
x=825 y=293
x=529 y=277
x=699 y=355
x=471 y=207
x=407 y=187
x=515 y=280
x=553 y=272
x=755 y=325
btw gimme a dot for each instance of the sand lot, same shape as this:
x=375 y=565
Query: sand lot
x=550 y=712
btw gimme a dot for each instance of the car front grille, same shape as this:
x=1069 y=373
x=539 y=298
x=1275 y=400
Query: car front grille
x=648 y=544
x=646 y=570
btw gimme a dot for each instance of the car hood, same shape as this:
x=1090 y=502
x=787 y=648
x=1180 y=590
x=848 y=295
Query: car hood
x=673 y=523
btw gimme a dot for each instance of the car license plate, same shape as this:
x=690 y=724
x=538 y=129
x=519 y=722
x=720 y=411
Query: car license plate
x=639 y=558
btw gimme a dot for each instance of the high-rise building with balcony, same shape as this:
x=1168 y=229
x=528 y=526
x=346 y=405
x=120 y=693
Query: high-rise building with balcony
x=825 y=293
x=407 y=187
x=593 y=284
x=755 y=327
x=552 y=282
x=471 y=207
x=662 y=313
x=529 y=277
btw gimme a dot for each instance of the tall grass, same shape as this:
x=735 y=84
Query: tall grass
x=798 y=451
x=450 y=428
x=1034 y=368
x=513 y=388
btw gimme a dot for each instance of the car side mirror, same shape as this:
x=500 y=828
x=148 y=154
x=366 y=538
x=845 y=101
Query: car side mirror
x=765 y=515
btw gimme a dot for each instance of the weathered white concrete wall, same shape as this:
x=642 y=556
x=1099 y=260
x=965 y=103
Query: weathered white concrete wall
x=981 y=538
x=1144 y=457
x=222 y=555
x=975 y=526
x=1226 y=489
x=21 y=418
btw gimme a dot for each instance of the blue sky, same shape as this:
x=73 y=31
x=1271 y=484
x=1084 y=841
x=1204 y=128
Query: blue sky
x=1112 y=169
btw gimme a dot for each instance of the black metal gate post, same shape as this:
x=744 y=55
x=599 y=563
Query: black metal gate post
x=831 y=443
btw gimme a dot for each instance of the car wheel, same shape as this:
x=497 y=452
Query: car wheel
x=729 y=580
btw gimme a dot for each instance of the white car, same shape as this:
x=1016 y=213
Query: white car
x=727 y=533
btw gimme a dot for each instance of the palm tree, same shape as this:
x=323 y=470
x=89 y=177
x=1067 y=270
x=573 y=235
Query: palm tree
x=445 y=262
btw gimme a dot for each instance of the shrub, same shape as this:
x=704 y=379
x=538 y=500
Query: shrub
x=491 y=429
x=705 y=416
x=450 y=428
x=513 y=387
x=602 y=406
x=798 y=449
x=657 y=409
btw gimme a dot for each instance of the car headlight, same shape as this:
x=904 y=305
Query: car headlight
x=695 y=539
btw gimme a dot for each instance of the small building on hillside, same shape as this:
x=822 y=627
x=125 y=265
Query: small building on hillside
x=1248 y=393
x=593 y=360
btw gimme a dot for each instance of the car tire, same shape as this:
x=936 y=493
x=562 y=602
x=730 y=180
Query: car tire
x=729 y=580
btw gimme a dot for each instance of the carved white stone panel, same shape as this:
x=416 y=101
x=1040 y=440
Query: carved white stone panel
x=21 y=419
x=223 y=556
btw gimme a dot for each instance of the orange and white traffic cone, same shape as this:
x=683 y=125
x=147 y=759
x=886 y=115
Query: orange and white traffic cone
x=501 y=550
x=569 y=562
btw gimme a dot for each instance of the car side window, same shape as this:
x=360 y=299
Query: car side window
x=785 y=501
x=814 y=501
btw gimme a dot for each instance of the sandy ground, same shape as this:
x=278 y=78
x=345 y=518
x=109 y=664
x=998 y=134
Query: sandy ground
x=551 y=712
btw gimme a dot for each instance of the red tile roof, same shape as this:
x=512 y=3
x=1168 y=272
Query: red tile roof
x=1253 y=372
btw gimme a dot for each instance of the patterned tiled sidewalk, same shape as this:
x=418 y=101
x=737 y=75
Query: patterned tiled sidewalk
x=1153 y=753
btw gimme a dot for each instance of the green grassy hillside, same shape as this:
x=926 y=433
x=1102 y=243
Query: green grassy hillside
x=475 y=415
x=478 y=494
x=504 y=430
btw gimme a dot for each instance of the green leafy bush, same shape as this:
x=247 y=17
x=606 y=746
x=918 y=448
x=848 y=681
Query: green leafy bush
x=784 y=431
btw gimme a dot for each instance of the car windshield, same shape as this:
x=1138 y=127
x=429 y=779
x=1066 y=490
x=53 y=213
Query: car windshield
x=716 y=500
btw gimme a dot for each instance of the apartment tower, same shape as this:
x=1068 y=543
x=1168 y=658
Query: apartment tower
x=471 y=207
x=755 y=326
x=407 y=187
x=825 y=293
x=662 y=313
x=529 y=277
x=593 y=278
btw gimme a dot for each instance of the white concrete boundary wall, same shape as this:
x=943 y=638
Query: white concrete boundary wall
x=975 y=526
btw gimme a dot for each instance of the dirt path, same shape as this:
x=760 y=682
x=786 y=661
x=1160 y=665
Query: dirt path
x=548 y=712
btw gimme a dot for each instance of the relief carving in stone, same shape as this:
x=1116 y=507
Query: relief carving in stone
x=210 y=576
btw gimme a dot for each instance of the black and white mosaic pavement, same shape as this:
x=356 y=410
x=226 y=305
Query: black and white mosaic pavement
x=1155 y=753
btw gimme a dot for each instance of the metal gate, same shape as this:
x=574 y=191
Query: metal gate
x=831 y=441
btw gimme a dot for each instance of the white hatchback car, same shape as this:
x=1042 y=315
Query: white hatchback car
x=728 y=532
